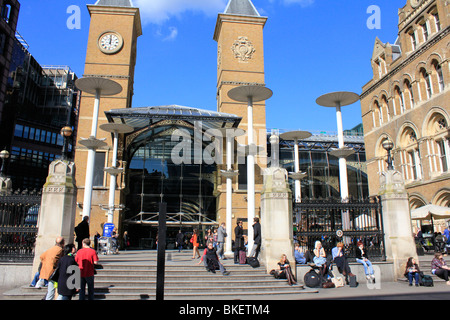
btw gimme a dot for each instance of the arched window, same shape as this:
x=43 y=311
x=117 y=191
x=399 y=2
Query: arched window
x=399 y=99
x=438 y=146
x=424 y=26
x=409 y=91
x=410 y=155
x=413 y=39
x=425 y=84
x=439 y=76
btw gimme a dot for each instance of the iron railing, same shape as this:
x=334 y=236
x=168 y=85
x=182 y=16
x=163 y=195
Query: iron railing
x=322 y=220
x=18 y=225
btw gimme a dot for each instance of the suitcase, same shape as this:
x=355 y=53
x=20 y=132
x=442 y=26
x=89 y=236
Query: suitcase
x=253 y=262
x=352 y=281
x=242 y=257
x=312 y=279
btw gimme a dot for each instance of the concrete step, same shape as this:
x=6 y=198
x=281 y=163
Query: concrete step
x=133 y=277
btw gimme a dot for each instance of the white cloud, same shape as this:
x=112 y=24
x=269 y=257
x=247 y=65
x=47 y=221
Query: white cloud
x=159 y=11
x=173 y=34
x=303 y=3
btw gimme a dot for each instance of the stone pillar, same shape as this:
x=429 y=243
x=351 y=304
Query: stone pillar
x=58 y=208
x=399 y=239
x=276 y=219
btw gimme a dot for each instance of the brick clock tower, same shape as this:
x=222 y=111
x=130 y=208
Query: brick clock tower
x=120 y=21
x=240 y=61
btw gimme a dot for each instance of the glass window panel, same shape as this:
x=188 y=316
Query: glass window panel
x=18 y=131
x=98 y=169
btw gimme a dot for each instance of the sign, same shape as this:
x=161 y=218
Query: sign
x=107 y=229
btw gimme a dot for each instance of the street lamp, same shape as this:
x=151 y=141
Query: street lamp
x=388 y=146
x=66 y=133
x=4 y=155
x=250 y=94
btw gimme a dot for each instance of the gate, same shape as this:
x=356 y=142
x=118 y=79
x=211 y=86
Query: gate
x=18 y=226
x=322 y=220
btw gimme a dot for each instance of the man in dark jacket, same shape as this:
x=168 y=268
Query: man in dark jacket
x=179 y=240
x=64 y=292
x=256 y=238
x=238 y=241
x=82 y=231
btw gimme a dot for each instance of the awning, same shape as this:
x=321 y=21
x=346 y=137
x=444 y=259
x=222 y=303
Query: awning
x=430 y=211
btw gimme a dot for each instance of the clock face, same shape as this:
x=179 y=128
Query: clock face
x=110 y=42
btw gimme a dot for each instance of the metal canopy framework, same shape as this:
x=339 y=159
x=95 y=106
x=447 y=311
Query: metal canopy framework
x=146 y=116
x=153 y=125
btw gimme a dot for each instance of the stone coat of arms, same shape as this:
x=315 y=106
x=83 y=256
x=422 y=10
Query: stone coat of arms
x=243 y=49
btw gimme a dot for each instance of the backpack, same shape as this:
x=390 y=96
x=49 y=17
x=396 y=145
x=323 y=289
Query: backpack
x=426 y=281
x=312 y=279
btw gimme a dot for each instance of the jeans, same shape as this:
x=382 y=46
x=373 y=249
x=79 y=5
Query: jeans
x=61 y=297
x=50 y=290
x=221 y=267
x=90 y=284
x=368 y=269
x=413 y=275
x=255 y=250
x=220 y=249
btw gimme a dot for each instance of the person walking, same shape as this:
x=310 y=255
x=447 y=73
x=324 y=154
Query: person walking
x=221 y=235
x=195 y=244
x=126 y=240
x=82 y=231
x=179 y=240
x=238 y=241
x=66 y=261
x=256 y=238
x=49 y=260
x=86 y=258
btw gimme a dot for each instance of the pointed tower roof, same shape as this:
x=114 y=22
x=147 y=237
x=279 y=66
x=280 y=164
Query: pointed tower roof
x=115 y=3
x=241 y=7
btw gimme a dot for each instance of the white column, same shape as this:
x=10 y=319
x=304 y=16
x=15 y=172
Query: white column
x=342 y=161
x=91 y=160
x=250 y=176
x=298 y=192
x=229 y=201
x=113 y=179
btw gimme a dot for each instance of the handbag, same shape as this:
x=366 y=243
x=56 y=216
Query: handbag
x=338 y=281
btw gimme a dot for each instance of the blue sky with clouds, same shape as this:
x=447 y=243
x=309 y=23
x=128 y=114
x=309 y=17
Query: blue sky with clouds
x=312 y=47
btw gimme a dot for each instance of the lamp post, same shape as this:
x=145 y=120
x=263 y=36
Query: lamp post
x=66 y=133
x=115 y=129
x=250 y=94
x=229 y=133
x=296 y=175
x=97 y=86
x=388 y=146
x=338 y=100
x=4 y=155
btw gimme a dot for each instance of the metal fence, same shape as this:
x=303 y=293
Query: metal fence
x=322 y=220
x=18 y=225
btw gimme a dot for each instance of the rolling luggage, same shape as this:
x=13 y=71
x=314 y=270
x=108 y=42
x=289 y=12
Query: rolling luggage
x=242 y=257
x=312 y=279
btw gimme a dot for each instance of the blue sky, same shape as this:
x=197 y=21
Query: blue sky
x=312 y=47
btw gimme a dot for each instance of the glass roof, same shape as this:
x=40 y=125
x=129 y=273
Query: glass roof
x=141 y=117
